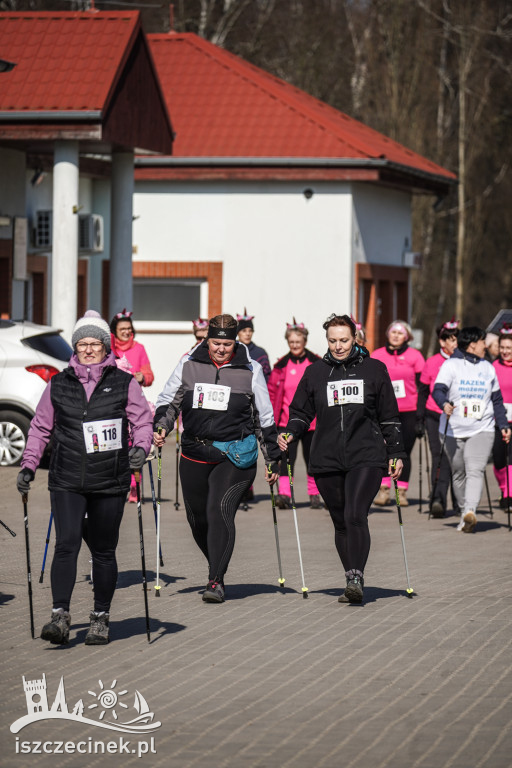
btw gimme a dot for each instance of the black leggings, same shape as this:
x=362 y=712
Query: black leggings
x=104 y=515
x=445 y=474
x=348 y=496
x=293 y=450
x=408 y=422
x=212 y=493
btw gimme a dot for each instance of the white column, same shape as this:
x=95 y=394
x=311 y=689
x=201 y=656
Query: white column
x=121 y=289
x=65 y=236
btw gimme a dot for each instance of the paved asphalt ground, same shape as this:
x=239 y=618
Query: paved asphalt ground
x=268 y=679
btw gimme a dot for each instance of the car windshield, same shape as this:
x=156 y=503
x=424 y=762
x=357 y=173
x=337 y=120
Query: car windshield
x=50 y=344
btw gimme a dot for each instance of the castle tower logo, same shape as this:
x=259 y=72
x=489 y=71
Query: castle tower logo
x=109 y=704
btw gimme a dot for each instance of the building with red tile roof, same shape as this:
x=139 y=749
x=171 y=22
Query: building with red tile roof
x=230 y=114
x=79 y=94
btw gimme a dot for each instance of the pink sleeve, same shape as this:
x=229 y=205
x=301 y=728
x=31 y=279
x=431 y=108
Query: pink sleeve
x=145 y=367
x=139 y=416
x=40 y=431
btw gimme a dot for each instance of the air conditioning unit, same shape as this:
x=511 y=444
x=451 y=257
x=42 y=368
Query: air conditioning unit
x=90 y=233
x=43 y=229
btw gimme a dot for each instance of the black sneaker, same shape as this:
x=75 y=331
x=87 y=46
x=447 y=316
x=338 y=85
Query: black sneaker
x=354 y=591
x=283 y=502
x=437 y=509
x=505 y=503
x=98 y=631
x=315 y=502
x=214 y=592
x=57 y=629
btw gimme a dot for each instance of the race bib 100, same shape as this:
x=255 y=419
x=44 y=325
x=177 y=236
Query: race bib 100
x=399 y=388
x=103 y=435
x=211 y=397
x=343 y=392
x=471 y=408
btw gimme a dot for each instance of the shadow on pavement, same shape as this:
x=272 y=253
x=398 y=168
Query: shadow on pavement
x=241 y=591
x=121 y=630
x=130 y=578
x=371 y=594
x=5 y=598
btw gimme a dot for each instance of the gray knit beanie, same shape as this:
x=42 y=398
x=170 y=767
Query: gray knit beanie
x=91 y=326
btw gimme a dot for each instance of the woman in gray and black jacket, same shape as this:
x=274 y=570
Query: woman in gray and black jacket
x=223 y=398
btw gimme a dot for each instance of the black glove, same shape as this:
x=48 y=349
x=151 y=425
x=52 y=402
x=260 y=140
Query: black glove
x=137 y=457
x=24 y=479
x=275 y=467
x=420 y=428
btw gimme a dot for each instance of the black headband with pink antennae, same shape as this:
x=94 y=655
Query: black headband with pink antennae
x=451 y=325
x=506 y=329
x=124 y=313
x=295 y=325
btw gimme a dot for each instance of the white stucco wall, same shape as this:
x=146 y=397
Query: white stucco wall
x=283 y=255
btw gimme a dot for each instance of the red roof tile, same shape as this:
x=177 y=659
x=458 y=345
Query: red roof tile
x=223 y=106
x=64 y=61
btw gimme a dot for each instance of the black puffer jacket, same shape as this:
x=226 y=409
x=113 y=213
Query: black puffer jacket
x=71 y=467
x=354 y=434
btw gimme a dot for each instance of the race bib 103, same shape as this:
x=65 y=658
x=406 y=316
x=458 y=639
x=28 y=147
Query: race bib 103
x=211 y=397
x=344 y=392
x=103 y=435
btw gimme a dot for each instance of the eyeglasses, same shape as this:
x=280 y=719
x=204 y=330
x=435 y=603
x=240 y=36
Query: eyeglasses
x=82 y=346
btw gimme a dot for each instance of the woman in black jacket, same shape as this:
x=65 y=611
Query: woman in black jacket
x=223 y=398
x=357 y=439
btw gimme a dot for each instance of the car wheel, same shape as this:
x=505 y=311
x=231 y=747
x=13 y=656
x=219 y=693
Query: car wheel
x=13 y=437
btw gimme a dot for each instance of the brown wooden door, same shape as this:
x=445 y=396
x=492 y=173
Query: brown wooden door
x=382 y=295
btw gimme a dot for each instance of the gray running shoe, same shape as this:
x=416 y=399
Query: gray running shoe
x=214 y=592
x=57 y=629
x=353 y=592
x=98 y=631
x=315 y=501
x=283 y=502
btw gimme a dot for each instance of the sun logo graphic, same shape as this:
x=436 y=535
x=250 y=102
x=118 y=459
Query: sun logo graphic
x=109 y=704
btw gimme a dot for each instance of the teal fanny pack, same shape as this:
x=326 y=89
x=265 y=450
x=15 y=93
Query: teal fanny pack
x=241 y=453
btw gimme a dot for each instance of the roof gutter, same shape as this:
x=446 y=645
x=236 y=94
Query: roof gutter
x=287 y=162
x=55 y=116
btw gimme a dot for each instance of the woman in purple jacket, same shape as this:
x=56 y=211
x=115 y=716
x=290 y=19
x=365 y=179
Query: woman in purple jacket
x=87 y=408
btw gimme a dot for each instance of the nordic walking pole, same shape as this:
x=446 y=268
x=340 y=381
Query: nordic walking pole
x=289 y=466
x=409 y=591
x=46 y=546
x=24 y=498
x=177 y=502
x=438 y=468
x=153 y=499
x=427 y=466
x=488 y=494
x=421 y=484
x=143 y=559
x=507 y=465
x=7 y=528
x=273 y=500
x=157 y=585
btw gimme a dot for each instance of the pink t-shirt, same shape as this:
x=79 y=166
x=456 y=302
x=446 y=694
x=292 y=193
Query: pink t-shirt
x=293 y=373
x=402 y=371
x=504 y=375
x=429 y=376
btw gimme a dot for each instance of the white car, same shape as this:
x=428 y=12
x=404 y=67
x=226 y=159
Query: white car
x=30 y=355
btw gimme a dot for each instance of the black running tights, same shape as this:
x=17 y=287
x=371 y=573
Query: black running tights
x=104 y=515
x=348 y=496
x=212 y=493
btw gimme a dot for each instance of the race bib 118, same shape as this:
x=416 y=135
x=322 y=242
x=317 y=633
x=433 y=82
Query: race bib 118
x=103 y=435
